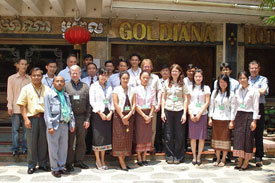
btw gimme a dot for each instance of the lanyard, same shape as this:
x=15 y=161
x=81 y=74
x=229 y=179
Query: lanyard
x=50 y=85
x=243 y=96
x=223 y=95
x=134 y=72
x=145 y=99
x=198 y=95
x=38 y=94
x=253 y=83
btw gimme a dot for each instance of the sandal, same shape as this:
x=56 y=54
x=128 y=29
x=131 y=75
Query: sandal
x=221 y=164
x=216 y=163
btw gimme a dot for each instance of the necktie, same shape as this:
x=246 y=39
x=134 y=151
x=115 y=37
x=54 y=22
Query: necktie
x=92 y=81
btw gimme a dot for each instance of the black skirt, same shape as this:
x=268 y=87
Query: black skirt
x=102 y=132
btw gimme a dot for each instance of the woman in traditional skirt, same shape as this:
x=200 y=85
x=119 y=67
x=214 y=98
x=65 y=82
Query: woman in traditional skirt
x=101 y=102
x=221 y=116
x=198 y=100
x=174 y=108
x=247 y=109
x=124 y=103
x=145 y=102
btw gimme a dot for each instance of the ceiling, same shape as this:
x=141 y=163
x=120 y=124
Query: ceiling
x=212 y=11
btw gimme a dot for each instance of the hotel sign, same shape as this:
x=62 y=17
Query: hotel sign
x=167 y=32
x=259 y=35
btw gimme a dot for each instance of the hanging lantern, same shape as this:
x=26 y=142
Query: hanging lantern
x=77 y=35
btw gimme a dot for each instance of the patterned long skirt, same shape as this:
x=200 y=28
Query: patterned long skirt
x=243 y=136
x=122 y=136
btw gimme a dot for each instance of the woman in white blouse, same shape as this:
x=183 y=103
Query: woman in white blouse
x=221 y=116
x=198 y=100
x=173 y=114
x=145 y=105
x=247 y=110
x=124 y=103
x=101 y=102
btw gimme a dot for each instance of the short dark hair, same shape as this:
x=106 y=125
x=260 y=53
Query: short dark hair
x=109 y=61
x=91 y=64
x=190 y=66
x=51 y=62
x=88 y=56
x=225 y=65
x=254 y=62
x=165 y=67
x=123 y=60
x=18 y=61
x=71 y=55
x=135 y=55
x=36 y=69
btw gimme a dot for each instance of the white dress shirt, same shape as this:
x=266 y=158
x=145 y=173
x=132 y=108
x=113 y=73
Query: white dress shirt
x=222 y=107
x=197 y=98
x=88 y=79
x=247 y=100
x=122 y=96
x=100 y=99
x=46 y=80
x=187 y=81
x=134 y=76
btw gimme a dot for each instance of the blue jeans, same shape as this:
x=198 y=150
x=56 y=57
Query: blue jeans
x=16 y=120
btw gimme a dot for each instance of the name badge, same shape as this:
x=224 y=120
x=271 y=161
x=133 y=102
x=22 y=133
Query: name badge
x=221 y=107
x=127 y=108
x=145 y=106
x=39 y=101
x=243 y=106
x=198 y=104
x=175 y=99
x=76 y=97
x=105 y=101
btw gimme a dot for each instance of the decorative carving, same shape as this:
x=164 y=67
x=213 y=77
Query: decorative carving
x=16 y=25
x=92 y=26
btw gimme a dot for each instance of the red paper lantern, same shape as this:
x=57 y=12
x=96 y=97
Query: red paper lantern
x=77 y=35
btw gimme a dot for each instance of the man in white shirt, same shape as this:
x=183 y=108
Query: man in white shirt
x=165 y=74
x=260 y=83
x=65 y=73
x=92 y=77
x=134 y=71
x=114 y=80
x=109 y=66
x=48 y=78
x=87 y=60
x=225 y=68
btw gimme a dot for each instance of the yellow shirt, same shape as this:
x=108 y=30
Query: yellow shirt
x=29 y=97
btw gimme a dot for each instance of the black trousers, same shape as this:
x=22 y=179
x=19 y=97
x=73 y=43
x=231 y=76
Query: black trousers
x=159 y=133
x=174 y=136
x=259 y=134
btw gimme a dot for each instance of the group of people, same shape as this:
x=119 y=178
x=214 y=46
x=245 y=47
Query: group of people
x=80 y=110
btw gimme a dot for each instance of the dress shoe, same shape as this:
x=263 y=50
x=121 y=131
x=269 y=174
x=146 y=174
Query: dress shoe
x=45 y=168
x=145 y=163
x=199 y=163
x=194 y=162
x=259 y=164
x=15 y=153
x=176 y=162
x=81 y=165
x=140 y=163
x=70 y=168
x=237 y=167
x=243 y=169
x=31 y=170
x=56 y=174
x=124 y=169
x=64 y=171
